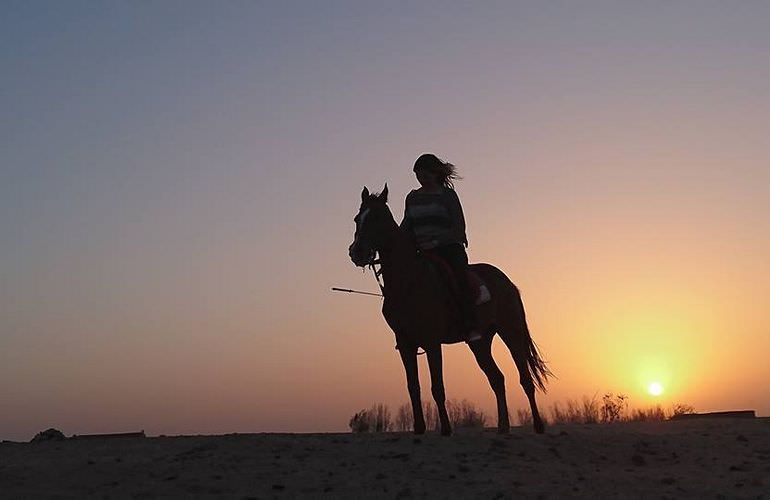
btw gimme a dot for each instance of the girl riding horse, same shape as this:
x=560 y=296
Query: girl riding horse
x=434 y=218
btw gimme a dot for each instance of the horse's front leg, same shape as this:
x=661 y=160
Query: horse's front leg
x=409 y=358
x=437 y=387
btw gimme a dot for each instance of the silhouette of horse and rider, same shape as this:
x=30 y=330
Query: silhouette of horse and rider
x=432 y=296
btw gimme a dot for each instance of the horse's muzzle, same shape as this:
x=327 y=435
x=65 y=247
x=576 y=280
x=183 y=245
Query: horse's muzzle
x=360 y=256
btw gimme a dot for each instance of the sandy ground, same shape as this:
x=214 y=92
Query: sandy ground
x=697 y=459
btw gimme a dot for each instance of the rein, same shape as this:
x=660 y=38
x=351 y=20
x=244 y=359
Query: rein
x=377 y=274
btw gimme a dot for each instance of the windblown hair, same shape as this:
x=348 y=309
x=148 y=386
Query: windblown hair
x=446 y=172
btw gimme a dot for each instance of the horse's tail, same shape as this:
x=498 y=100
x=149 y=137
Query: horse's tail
x=538 y=368
x=516 y=321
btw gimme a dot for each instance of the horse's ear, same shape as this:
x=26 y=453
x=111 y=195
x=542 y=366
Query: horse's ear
x=364 y=194
x=384 y=195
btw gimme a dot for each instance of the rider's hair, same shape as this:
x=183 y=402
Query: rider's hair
x=446 y=172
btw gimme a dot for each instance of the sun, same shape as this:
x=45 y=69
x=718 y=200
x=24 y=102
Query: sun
x=655 y=388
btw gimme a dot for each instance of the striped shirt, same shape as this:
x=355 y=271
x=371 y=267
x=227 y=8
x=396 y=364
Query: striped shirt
x=434 y=219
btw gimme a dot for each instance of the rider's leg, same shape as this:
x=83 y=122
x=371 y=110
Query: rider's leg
x=457 y=258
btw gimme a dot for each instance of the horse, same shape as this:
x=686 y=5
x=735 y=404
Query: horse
x=421 y=317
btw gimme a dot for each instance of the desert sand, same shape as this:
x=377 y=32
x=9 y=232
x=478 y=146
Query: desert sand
x=720 y=458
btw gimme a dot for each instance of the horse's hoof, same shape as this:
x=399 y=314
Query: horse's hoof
x=419 y=431
x=446 y=432
x=539 y=427
x=503 y=429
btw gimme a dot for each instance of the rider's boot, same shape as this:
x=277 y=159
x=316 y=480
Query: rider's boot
x=471 y=322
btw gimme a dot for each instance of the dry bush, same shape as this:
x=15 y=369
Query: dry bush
x=381 y=421
x=430 y=412
x=454 y=411
x=682 y=409
x=375 y=419
x=558 y=416
x=649 y=414
x=468 y=415
x=524 y=416
x=359 y=422
x=590 y=410
x=574 y=412
x=613 y=407
x=574 y=415
x=404 y=418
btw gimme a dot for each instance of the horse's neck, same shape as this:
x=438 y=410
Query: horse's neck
x=399 y=264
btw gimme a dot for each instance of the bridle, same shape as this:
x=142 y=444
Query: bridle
x=376 y=266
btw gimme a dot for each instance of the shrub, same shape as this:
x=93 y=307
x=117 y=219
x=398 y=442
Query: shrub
x=682 y=409
x=558 y=416
x=613 y=407
x=454 y=411
x=590 y=410
x=574 y=415
x=430 y=413
x=585 y=412
x=524 y=416
x=467 y=415
x=375 y=419
x=643 y=415
x=359 y=422
x=380 y=414
x=404 y=418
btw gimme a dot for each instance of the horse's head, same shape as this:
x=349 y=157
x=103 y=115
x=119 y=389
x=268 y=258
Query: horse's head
x=373 y=224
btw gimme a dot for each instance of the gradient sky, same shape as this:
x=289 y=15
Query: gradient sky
x=179 y=181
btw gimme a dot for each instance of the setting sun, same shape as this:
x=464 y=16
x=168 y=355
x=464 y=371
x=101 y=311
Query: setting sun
x=655 y=388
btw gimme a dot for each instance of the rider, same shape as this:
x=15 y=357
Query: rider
x=434 y=217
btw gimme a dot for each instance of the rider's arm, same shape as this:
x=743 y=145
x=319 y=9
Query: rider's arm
x=406 y=222
x=457 y=231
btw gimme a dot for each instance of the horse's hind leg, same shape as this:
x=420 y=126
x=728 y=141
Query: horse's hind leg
x=409 y=358
x=437 y=387
x=520 y=351
x=482 y=350
x=529 y=389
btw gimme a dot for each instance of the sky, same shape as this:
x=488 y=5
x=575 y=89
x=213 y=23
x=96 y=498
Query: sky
x=179 y=180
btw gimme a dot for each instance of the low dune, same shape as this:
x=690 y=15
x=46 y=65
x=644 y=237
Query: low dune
x=719 y=458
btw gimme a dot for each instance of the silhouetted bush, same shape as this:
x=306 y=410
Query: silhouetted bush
x=574 y=412
x=462 y=414
x=682 y=409
x=404 y=418
x=375 y=419
x=643 y=415
x=558 y=416
x=465 y=414
x=613 y=407
x=49 y=435
x=359 y=422
x=430 y=412
x=454 y=411
x=381 y=418
x=574 y=415
x=590 y=410
x=524 y=416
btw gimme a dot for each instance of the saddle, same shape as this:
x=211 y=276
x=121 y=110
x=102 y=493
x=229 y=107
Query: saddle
x=445 y=280
x=478 y=288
